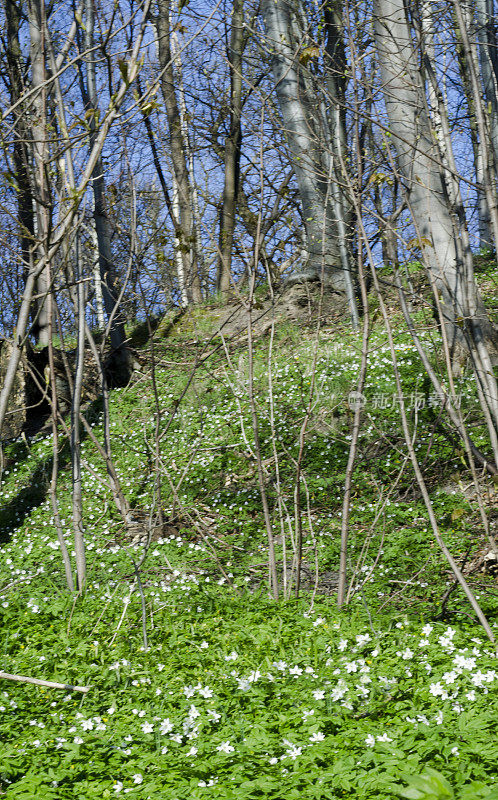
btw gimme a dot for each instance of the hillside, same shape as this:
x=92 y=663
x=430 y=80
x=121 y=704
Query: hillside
x=201 y=686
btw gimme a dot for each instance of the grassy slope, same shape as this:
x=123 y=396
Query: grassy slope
x=239 y=697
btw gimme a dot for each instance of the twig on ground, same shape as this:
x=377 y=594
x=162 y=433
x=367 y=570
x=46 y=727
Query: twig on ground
x=6 y=676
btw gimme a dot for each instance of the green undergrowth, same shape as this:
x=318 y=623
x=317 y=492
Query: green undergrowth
x=238 y=697
x=232 y=695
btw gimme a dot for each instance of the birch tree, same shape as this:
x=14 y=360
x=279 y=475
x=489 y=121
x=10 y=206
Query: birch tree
x=185 y=229
x=106 y=280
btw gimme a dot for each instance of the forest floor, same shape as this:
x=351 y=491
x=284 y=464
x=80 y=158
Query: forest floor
x=200 y=685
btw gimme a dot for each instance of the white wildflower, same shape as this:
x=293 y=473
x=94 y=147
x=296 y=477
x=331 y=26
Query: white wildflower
x=232 y=656
x=225 y=747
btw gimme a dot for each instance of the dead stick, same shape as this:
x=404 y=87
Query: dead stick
x=51 y=685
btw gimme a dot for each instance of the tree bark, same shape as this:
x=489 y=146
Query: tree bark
x=335 y=79
x=305 y=138
x=232 y=149
x=21 y=154
x=485 y=227
x=488 y=56
x=75 y=441
x=110 y=286
x=421 y=170
x=197 y=255
x=185 y=230
x=36 y=18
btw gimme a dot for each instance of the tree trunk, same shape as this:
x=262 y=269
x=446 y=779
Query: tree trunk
x=185 y=232
x=75 y=441
x=488 y=55
x=469 y=47
x=305 y=140
x=110 y=287
x=97 y=278
x=232 y=149
x=21 y=154
x=421 y=170
x=335 y=74
x=485 y=227
x=180 y=266
x=36 y=18
x=197 y=255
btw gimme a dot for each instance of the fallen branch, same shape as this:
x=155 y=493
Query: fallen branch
x=50 y=684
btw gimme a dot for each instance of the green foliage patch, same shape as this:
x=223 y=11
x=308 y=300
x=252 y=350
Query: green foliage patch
x=240 y=697
x=236 y=696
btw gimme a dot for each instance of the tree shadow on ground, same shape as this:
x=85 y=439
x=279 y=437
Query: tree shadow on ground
x=35 y=492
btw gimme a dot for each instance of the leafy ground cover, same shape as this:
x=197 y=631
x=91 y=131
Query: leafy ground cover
x=241 y=698
x=232 y=695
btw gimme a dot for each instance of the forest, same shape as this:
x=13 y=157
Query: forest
x=249 y=399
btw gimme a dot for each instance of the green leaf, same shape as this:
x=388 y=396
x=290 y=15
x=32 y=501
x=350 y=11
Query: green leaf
x=123 y=68
x=430 y=785
x=478 y=791
x=308 y=53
